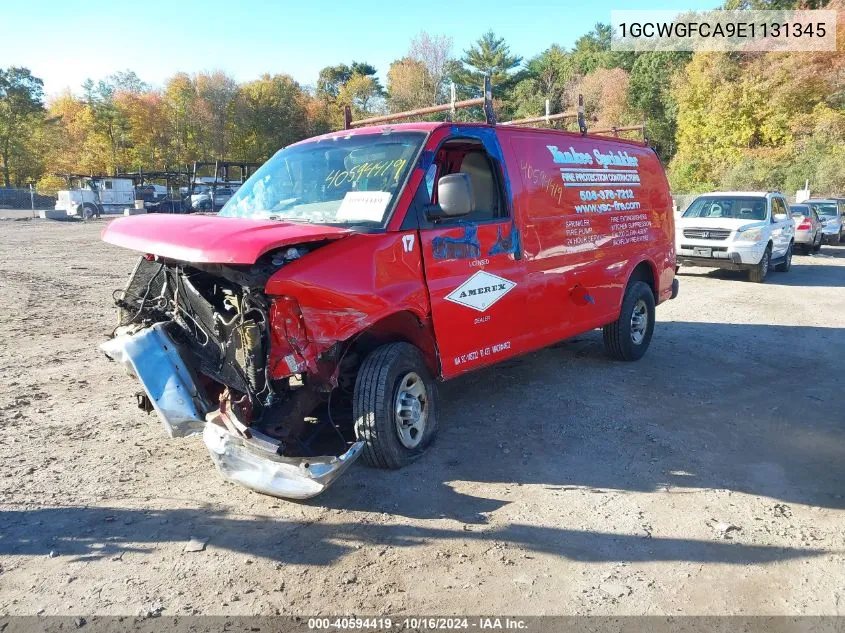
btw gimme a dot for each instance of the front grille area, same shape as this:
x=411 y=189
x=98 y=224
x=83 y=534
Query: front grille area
x=707 y=234
x=151 y=295
x=715 y=249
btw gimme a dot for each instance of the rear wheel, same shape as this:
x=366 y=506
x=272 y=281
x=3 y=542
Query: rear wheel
x=759 y=272
x=817 y=245
x=629 y=336
x=395 y=406
x=786 y=264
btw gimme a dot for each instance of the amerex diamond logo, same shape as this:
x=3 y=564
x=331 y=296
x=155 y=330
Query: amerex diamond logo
x=480 y=291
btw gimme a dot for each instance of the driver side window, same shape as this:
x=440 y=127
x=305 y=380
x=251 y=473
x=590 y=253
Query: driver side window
x=468 y=157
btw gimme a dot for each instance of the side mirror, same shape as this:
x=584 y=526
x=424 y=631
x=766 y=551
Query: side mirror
x=454 y=195
x=779 y=217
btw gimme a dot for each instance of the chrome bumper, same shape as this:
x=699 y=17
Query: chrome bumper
x=256 y=465
x=151 y=356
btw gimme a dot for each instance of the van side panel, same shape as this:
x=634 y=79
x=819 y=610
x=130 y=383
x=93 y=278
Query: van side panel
x=591 y=210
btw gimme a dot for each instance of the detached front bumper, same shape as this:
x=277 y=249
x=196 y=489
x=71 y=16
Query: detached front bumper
x=255 y=464
x=151 y=356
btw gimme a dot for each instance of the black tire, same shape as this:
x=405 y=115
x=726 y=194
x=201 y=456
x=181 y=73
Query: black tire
x=786 y=265
x=620 y=337
x=760 y=271
x=818 y=246
x=377 y=390
x=89 y=211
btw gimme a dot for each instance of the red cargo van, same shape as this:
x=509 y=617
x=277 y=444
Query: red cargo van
x=309 y=322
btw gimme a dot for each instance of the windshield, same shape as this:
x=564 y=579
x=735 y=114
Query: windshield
x=727 y=207
x=800 y=209
x=350 y=180
x=827 y=209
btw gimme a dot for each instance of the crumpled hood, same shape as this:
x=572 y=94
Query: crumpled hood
x=212 y=239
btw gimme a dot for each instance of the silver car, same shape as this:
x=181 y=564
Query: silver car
x=831 y=218
x=808 y=227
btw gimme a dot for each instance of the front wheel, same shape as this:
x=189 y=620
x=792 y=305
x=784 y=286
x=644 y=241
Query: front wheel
x=629 y=336
x=395 y=406
x=759 y=272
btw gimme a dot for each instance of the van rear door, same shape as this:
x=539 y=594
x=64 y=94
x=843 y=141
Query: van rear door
x=472 y=263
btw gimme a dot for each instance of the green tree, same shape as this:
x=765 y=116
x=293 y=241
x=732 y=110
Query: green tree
x=109 y=122
x=332 y=79
x=547 y=77
x=488 y=56
x=592 y=51
x=650 y=94
x=21 y=110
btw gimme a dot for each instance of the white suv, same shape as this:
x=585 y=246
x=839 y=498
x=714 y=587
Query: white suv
x=737 y=230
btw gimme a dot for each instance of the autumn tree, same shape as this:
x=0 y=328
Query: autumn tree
x=408 y=85
x=270 y=113
x=147 y=126
x=213 y=110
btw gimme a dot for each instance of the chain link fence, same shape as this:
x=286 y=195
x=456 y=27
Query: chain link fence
x=23 y=199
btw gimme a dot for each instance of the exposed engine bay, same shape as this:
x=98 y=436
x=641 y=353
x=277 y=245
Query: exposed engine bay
x=215 y=353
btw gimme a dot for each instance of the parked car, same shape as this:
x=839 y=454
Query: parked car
x=354 y=270
x=171 y=204
x=151 y=194
x=737 y=230
x=830 y=215
x=808 y=227
x=208 y=198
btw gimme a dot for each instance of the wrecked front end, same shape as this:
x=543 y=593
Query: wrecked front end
x=215 y=355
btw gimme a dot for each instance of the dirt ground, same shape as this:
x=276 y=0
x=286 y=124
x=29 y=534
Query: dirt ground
x=708 y=478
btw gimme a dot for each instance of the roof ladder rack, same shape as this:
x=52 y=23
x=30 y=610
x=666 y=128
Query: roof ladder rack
x=485 y=102
x=548 y=118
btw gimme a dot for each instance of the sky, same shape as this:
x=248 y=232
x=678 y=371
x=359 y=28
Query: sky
x=64 y=41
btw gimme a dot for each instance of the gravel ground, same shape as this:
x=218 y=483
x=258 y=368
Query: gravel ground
x=705 y=479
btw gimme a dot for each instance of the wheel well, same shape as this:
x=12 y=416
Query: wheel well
x=402 y=326
x=644 y=272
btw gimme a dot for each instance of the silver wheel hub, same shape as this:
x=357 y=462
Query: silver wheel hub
x=411 y=409
x=639 y=322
